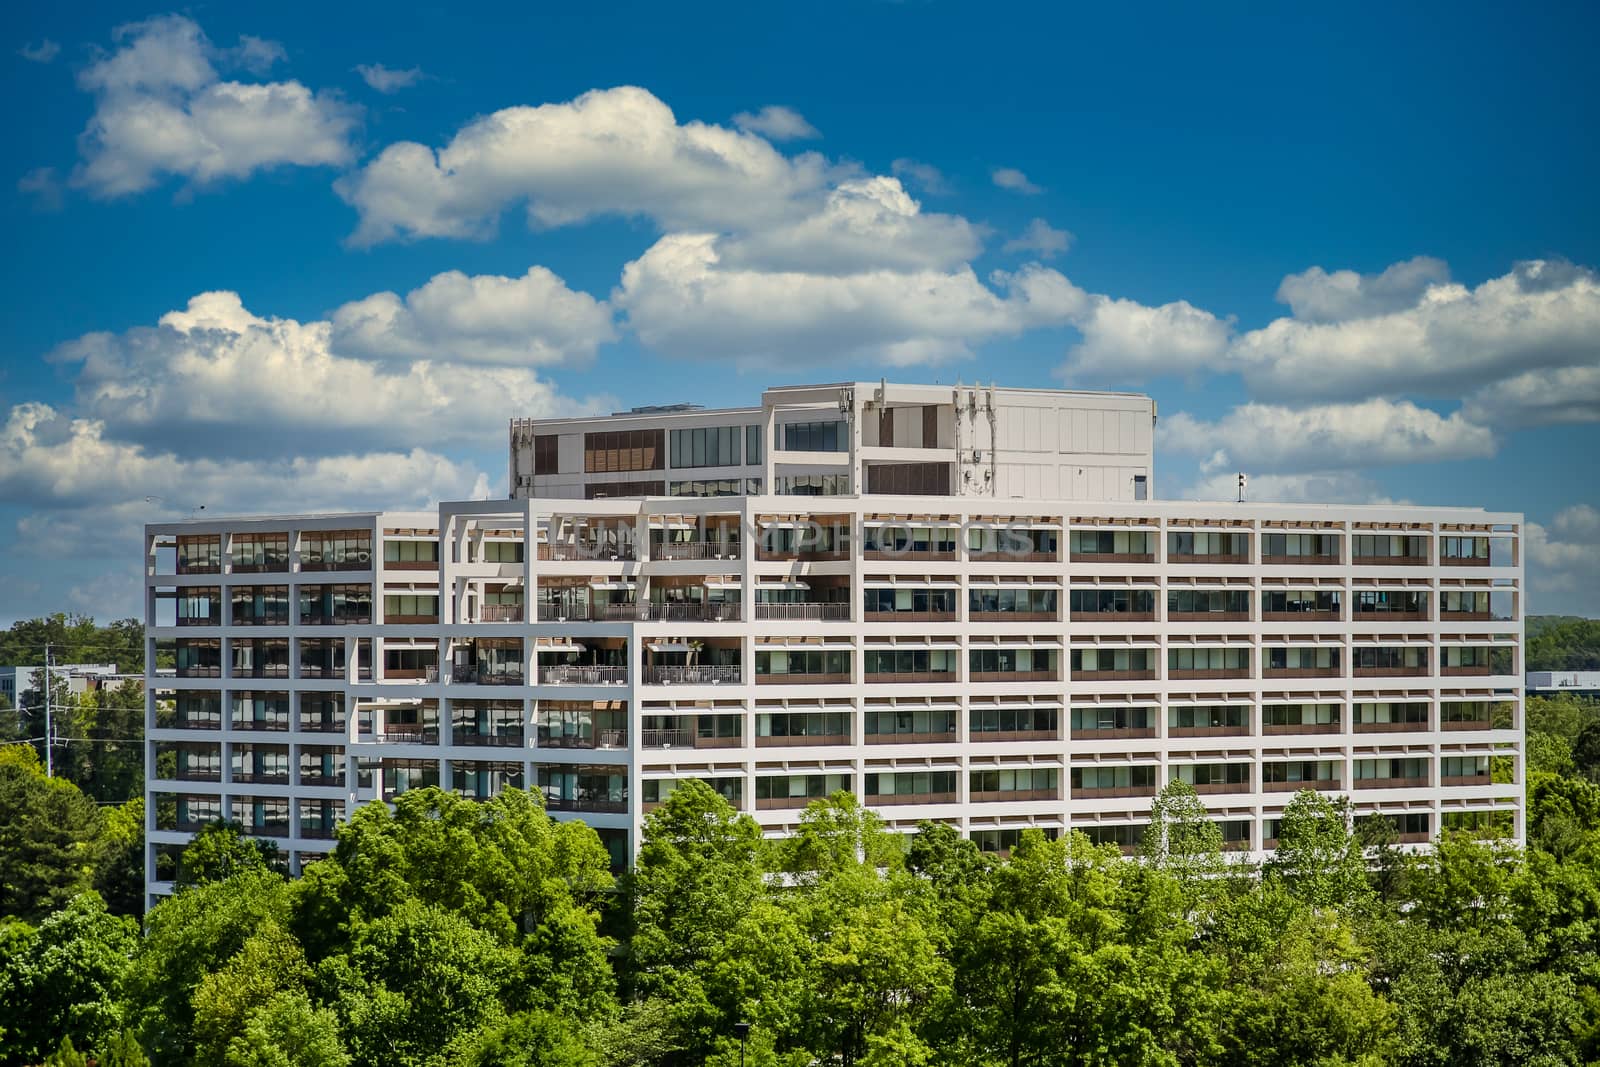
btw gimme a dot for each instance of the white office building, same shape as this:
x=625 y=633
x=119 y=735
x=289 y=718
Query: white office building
x=987 y=622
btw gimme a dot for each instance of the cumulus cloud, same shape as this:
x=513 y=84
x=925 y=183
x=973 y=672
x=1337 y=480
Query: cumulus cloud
x=1125 y=341
x=219 y=380
x=683 y=300
x=1012 y=179
x=1331 y=437
x=161 y=109
x=387 y=79
x=533 y=320
x=617 y=152
x=1327 y=487
x=777 y=123
x=865 y=224
x=924 y=176
x=1540 y=398
x=1040 y=238
x=44 y=186
x=1447 y=339
x=43 y=52
x=1316 y=295
x=1563 y=562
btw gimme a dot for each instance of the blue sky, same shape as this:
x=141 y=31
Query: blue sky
x=295 y=257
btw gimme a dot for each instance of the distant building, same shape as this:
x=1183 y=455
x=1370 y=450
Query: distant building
x=16 y=683
x=1550 y=683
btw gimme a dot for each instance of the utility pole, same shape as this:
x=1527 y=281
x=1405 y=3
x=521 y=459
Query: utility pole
x=49 y=735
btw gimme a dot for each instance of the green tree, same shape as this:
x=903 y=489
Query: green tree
x=119 y=875
x=288 y=1031
x=269 y=963
x=122 y=1050
x=1183 y=841
x=1586 y=751
x=1318 y=858
x=49 y=841
x=220 y=850
x=837 y=832
x=66 y=1055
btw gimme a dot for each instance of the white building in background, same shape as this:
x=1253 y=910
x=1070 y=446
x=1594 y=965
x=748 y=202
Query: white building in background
x=898 y=620
x=16 y=683
x=1555 y=683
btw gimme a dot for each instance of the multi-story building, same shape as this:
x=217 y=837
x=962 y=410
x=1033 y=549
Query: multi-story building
x=991 y=661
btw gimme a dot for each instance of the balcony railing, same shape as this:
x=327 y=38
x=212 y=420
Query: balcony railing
x=271 y=670
x=1127 y=616
x=1272 y=728
x=568 y=552
x=1190 y=557
x=1465 y=779
x=1301 y=672
x=1017 y=616
x=985 y=736
x=1389 y=561
x=910 y=616
x=314 y=832
x=1320 y=784
x=598 y=739
x=262 y=777
x=696 y=675
x=944 y=738
x=571 y=675
x=1012 y=795
x=818 y=612
x=319 y=725
x=1296 y=561
x=598 y=804
x=691 y=550
x=275 y=725
x=1088 y=557
x=1113 y=676
x=1241 y=730
x=1464 y=561
x=404 y=734
x=500 y=613
x=1466 y=671
x=1213 y=788
x=932 y=555
x=351 y=619
x=1093 y=792
x=1199 y=674
x=609 y=612
x=879 y=677
x=1014 y=676
x=879 y=800
x=1415 y=671
x=719 y=611
x=1330 y=615
x=802 y=740
x=685 y=739
x=209 y=670
x=335 y=780
x=186 y=774
x=1420 y=782
x=1116 y=733
x=1390 y=727
x=1466 y=724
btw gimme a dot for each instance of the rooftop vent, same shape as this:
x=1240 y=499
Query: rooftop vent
x=660 y=409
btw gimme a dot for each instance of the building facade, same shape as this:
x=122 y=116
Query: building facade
x=991 y=662
x=1556 y=683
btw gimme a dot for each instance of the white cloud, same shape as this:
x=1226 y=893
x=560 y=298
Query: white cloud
x=609 y=152
x=864 y=224
x=1268 y=438
x=924 y=176
x=1125 y=341
x=533 y=320
x=386 y=79
x=1013 y=179
x=1328 y=487
x=1040 y=238
x=217 y=379
x=43 y=52
x=1563 y=563
x=161 y=108
x=683 y=301
x=777 y=123
x=1540 y=316
x=1540 y=398
x=44 y=186
x=1315 y=295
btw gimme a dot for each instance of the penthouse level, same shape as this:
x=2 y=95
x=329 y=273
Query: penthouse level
x=991 y=664
x=874 y=438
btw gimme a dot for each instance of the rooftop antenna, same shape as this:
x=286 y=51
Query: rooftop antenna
x=1242 y=481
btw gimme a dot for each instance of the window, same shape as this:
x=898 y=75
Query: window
x=800 y=786
x=812 y=485
x=1092 y=660
x=609 y=490
x=912 y=784
x=910 y=661
x=1207 y=543
x=752 y=445
x=1017 y=780
x=816 y=437
x=623 y=450
x=1208 y=659
x=1410 y=714
x=260 y=552
x=1008 y=721
x=1113 y=778
x=1463 y=548
x=398 y=606
x=1012 y=601
x=330 y=550
x=411 y=552
x=1214 y=774
x=1113 y=601
x=1300 y=715
x=717 y=487
x=260 y=605
x=1088 y=720
x=1012 y=661
x=1388 y=546
x=1141 y=487
x=802 y=661
x=1307 y=771
x=200 y=554
x=658 y=790
x=1303 y=658
x=803 y=724
x=1209 y=717
x=1321 y=548
x=1113 y=543
x=911 y=721
x=336 y=604
x=909 y=479
x=1300 y=601
x=1464 y=767
x=1207 y=602
x=706 y=446
x=1390 y=602
x=546 y=454
x=915 y=601
x=1412 y=658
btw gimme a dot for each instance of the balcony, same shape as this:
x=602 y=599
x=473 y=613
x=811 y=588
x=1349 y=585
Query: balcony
x=1221 y=672
x=404 y=734
x=1331 y=615
x=274 y=828
x=322 y=780
x=695 y=675
x=1125 y=616
x=945 y=738
x=504 y=737
x=1279 y=728
x=275 y=725
x=595 y=804
x=720 y=611
x=1389 y=561
x=207 y=670
x=1464 y=561
x=818 y=612
x=1297 y=561
x=792 y=554
x=1015 y=795
x=1114 y=791
x=321 y=725
x=500 y=613
x=777 y=803
x=269 y=670
x=1378 y=618
x=1014 y=676
x=1240 y=730
x=1217 y=788
x=1471 y=670
x=188 y=774
x=1417 y=671
x=1468 y=616
x=574 y=675
x=1191 y=616
x=1465 y=779
x=802 y=740
x=817 y=679
x=1319 y=784
x=567 y=552
x=931 y=555
x=1392 y=783
x=599 y=739
x=469 y=675
x=261 y=777
x=694 y=550
x=313 y=832
x=1115 y=733
x=685 y=739
x=1093 y=557
x=1302 y=672
x=1391 y=727
x=1466 y=724
x=880 y=800
x=1113 y=676
x=1018 y=616
x=1190 y=557
x=351 y=619
x=610 y=612
x=910 y=616
x=980 y=737
x=885 y=677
